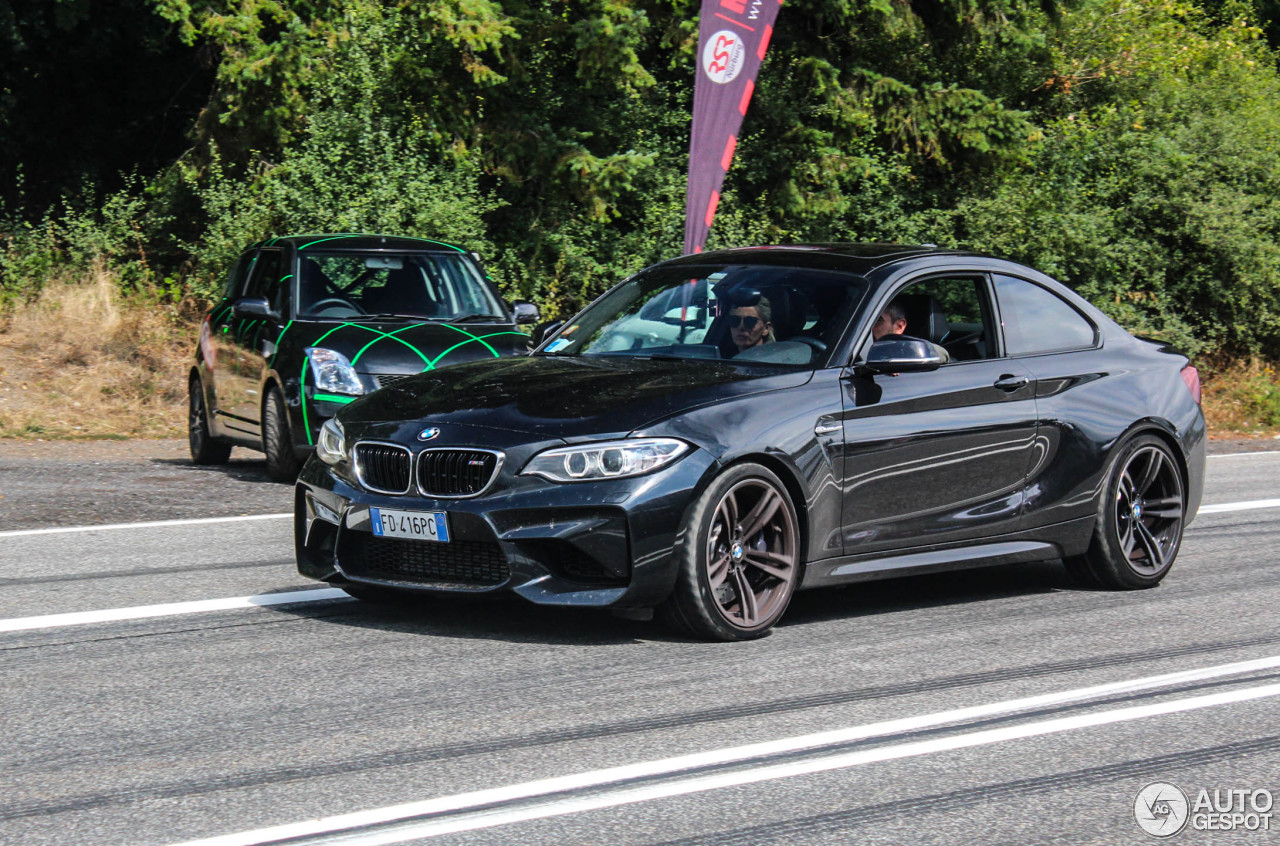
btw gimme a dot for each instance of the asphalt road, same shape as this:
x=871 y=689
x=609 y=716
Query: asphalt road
x=994 y=706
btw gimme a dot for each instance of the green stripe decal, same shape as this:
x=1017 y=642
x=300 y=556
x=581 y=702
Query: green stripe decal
x=480 y=338
x=332 y=398
x=278 y=339
x=302 y=395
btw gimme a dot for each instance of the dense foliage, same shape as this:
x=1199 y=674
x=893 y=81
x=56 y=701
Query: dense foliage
x=1127 y=147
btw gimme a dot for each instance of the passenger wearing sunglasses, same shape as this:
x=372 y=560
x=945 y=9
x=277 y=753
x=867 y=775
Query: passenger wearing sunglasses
x=751 y=325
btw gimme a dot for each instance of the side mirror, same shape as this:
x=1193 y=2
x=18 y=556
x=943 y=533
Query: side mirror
x=252 y=307
x=525 y=312
x=902 y=355
x=543 y=331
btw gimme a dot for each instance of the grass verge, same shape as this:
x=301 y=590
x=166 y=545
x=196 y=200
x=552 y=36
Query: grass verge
x=83 y=361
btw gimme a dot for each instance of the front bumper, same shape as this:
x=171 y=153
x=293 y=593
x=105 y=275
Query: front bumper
x=593 y=544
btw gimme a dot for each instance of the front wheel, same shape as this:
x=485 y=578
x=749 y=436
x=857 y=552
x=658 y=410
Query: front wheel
x=739 y=562
x=1140 y=519
x=277 y=441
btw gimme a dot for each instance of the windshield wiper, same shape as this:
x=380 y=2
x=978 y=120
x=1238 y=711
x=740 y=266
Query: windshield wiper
x=472 y=318
x=389 y=315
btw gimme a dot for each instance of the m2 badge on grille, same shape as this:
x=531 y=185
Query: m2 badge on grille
x=416 y=525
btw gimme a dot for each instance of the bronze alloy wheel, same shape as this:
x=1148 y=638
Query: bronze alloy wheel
x=1140 y=520
x=741 y=565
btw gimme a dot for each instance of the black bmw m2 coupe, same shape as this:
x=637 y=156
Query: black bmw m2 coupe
x=723 y=429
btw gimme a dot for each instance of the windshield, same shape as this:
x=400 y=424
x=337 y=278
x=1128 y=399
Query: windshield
x=776 y=315
x=437 y=286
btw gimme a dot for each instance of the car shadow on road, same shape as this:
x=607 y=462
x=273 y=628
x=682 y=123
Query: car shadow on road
x=502 y=618
x=508 y=618
x=935 y=590
x=241 y=470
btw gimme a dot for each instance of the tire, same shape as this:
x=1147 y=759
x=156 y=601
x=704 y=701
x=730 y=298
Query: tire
x=1141 y=515
x=277 y=440
x=204 y=448
x=739 y=563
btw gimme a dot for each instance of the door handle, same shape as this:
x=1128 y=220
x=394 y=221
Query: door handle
x=1011 y=383
x=825 y=427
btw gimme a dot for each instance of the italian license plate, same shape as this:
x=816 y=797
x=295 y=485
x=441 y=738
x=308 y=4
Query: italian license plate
x=418 y=525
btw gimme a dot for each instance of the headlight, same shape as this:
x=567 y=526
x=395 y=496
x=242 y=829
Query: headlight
x=332 y=372
x=331 y=446
x=611 y=460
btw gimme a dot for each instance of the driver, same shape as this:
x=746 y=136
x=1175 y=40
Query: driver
x=751 y=325
x=892 y=323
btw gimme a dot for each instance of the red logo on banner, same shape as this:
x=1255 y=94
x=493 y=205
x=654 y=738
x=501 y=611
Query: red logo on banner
x=723 y=56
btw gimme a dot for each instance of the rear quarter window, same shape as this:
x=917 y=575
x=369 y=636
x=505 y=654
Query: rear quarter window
x=1036 y=320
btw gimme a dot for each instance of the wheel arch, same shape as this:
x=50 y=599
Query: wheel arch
x=1166 y=432
x=789 y=477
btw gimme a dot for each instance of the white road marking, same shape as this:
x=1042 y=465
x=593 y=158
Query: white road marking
x=152 y=525
x=1239 y=506
x=479 y=813
x=1242 y=454
x=169 y=609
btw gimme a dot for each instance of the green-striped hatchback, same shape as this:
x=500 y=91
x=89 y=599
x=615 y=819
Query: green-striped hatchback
x=307 y=323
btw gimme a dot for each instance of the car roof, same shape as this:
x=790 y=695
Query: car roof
x=359 y=241
x=857 y=258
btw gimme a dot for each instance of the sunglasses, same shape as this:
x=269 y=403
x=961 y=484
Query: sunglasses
x=747 y=323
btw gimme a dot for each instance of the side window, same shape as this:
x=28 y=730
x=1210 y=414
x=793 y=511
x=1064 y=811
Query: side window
x=951 y=312
x=1037 y=320
x=235 y=278
x=264 y=280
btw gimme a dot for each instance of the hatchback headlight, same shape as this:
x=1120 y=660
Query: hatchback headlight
x=609 y=460
x=332 y=372
x=331 y=446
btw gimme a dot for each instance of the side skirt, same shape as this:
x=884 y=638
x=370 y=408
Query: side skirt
x=1044 y=542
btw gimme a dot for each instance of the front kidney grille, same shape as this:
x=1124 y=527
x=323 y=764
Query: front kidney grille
x=384 y=468
x=453 y=564
x=456 y=472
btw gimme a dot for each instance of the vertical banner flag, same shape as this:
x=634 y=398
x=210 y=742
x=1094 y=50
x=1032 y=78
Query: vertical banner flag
x=732 y=38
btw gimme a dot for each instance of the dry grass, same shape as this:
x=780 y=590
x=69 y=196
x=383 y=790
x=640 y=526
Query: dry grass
x=1242 y=398
x=81 y=362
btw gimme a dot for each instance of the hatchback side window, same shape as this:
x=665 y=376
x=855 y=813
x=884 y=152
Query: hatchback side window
x=1036 y=320
x=952 y=313
x=235 y=279
x=266 y=282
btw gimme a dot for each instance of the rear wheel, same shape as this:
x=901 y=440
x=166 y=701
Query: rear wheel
x=740 y=560
x=277 y=440
x=1140 y=519
x=204 y=449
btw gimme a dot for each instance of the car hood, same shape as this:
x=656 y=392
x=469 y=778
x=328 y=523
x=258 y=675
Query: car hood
x=566 y=397
x=412 y=346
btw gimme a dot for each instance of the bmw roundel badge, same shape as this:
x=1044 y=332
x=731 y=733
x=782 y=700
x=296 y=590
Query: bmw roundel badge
x=428 y=433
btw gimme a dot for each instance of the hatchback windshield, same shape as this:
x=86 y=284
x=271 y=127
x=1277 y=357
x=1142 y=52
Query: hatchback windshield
x=777 y=315
x=441 y=286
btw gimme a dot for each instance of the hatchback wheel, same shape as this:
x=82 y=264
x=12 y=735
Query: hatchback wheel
x=1140 y=519
x=277 y=441
x=739 y=563
x=204 y=449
